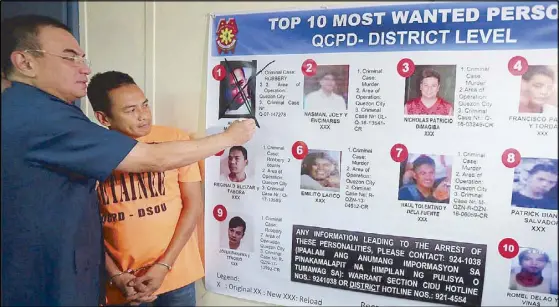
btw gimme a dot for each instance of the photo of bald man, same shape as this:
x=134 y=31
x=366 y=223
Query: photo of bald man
x=237 y=90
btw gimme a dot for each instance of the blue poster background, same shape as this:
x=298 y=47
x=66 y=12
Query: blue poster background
x=256 y=37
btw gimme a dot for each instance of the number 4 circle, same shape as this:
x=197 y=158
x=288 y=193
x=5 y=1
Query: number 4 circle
x=518 y=65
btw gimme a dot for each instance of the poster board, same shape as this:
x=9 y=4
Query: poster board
x=405 y=155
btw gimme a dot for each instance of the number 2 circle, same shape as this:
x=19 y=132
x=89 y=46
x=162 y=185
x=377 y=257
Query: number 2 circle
x=309 y=67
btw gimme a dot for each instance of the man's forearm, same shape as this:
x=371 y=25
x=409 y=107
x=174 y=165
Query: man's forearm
x=110 y=265
x=191 y=210
x=172 y=155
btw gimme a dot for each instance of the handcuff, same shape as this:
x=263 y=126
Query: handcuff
x=134 y=271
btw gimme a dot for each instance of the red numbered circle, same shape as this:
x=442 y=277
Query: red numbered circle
x=218 y=72
x=399 y=153
x=299 y=150
x=510 y=158
x=405 y=67
x=220 y=213
x=518 y=66
x=508 y=248
x=309 y=67
x=220 y=153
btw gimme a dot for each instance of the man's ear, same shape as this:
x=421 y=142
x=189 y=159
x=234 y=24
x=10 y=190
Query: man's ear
x=102 y=118
x=24 y=63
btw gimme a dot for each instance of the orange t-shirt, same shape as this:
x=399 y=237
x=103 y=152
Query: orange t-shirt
x=140 y=212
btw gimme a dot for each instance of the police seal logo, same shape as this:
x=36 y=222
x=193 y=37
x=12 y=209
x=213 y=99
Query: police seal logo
x=226 y=36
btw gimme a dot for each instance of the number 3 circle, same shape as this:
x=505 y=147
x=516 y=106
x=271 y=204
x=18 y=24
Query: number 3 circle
x=405 y=67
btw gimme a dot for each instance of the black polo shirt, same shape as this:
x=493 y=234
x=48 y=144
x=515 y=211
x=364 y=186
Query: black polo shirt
x=52 y=156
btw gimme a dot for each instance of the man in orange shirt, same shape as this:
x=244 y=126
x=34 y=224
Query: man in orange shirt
x=149 y=219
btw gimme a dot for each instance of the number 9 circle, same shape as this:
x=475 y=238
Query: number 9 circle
x=220 y=213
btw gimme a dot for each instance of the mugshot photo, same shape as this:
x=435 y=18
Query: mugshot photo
x=237 y=232
x=235 y=165
x=425 y=178
x=538 y=90
x=237 y=90
x=430 y=90
x=534 y=270
x=535 y=184
x=327 y=89
x=320 y=170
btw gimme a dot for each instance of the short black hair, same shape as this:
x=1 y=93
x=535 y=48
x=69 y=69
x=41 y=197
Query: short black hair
x=534 y=70
x=421 y=160
x=101 y=84
x=543 y=167
x=236 y=222
x=525 y=253
x=241 y=149
x=21 y=33
x=325 y=71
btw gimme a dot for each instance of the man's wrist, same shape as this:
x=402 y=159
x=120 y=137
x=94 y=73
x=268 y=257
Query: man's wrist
x=224 y=139
x=164 y=264
x=115 y=277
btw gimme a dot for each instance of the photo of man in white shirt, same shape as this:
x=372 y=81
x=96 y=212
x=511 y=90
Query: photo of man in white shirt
x=325 y=98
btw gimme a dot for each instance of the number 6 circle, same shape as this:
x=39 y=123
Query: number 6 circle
x=299 y=150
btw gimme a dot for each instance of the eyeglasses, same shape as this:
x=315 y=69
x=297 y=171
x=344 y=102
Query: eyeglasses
x=76 y=59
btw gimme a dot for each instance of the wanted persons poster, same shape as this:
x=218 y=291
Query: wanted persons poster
x=404 y=155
